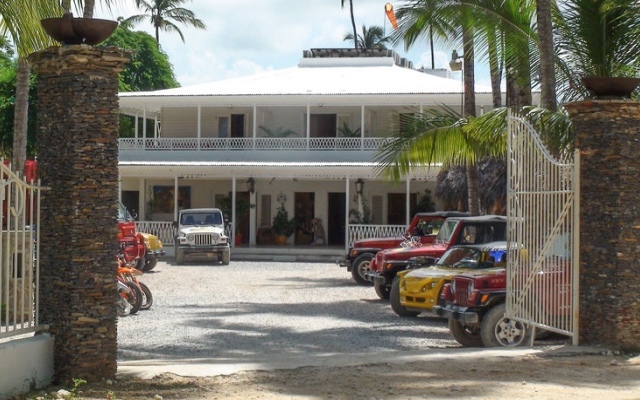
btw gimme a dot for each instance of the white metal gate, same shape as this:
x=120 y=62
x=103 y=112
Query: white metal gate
x=543 y=216
x=19 y=251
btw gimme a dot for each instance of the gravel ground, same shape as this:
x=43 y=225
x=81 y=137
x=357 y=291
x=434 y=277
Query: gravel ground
x=259 y=309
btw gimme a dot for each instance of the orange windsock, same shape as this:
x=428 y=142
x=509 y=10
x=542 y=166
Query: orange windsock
x=388 y=9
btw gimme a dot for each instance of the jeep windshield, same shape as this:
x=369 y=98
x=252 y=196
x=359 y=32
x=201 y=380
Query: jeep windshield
x=123 y=213
x=446 y=230
x=201 y=218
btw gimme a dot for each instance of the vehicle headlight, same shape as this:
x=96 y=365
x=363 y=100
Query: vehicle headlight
x=215 y=236
x=190 y=237
x=429 y=286
x=470 y=289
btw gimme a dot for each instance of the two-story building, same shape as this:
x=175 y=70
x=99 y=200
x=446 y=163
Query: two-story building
x=305 y=138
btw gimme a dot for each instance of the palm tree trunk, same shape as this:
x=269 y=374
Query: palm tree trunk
x=20 y=116
x=472 y=189
x=353 y=24
x=470 y=111
x=89 y=5
x=547 y=56
x=495 y=70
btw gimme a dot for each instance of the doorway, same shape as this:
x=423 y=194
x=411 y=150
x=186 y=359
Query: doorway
x=337 y=203
x=304 y=212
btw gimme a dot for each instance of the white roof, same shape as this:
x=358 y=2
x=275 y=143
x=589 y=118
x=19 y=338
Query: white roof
x=331 y=81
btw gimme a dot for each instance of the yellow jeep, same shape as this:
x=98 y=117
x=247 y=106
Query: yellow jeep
x=417 y=290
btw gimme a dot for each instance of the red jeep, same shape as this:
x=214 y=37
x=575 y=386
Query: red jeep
x=424 y=226
x=475 y=305
x=455 y=230
x=131 y=243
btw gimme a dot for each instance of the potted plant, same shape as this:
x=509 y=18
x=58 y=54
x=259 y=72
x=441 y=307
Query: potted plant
x=282 y=225
x=594 y=44
x=242 y=208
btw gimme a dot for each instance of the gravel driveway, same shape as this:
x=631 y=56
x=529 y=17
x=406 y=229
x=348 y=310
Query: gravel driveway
x=250 y=311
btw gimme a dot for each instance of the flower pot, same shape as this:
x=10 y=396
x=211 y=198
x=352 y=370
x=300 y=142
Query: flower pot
x=609 y=87
x=70 y=30
x=281 y=239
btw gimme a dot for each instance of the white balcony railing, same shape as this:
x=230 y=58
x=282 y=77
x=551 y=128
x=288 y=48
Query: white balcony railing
x=164 y=231
x=261 y=143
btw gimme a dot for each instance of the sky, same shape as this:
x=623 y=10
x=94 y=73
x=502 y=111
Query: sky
x=245 y=37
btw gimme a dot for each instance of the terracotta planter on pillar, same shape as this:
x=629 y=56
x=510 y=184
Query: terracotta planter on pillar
x=70 y=30
x=610 y=87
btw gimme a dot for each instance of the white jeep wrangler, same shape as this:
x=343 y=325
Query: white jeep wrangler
x=200 y=234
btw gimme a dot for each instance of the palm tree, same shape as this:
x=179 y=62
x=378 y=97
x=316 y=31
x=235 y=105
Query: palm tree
x=161 y=13
x=353 y=21
x=22 y=22
x=548 y=94
x=372 y=38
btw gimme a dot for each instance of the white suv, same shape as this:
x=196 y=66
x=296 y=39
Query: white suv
x=200 y=234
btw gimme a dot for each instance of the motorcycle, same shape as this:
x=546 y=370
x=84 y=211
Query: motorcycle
x=128 y=275
x=123 y=306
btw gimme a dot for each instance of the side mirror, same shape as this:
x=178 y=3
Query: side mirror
x=175 y=224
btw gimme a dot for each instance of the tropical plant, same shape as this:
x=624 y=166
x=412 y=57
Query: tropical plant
x=593 y=40
x=282 y=225
x=371 y=38
x=279 y=132
x=353 y=21
x=162 y=13
x=347 y=132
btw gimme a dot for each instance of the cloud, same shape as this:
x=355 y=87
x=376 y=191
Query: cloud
x=248 y=36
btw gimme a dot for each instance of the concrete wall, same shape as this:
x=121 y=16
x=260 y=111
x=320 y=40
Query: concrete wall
x=25 y=365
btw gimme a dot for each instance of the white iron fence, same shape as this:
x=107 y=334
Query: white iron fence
x=542 y=210
x=164 y=230
x=19 y=255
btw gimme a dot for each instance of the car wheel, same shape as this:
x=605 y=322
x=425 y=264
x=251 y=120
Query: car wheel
x=498 y=330
x=394 y=300
x=150 y=263
x=360 y=267
x=179 y=256
x=466 y=335
x=382 y=290
x=226 y=257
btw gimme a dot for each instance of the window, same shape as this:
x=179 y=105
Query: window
x=323 y=125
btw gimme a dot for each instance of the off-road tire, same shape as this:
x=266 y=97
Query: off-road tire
x=466 y=335
x=179 y=256
x=150 y=262
x=147 y=297
x=498 y=331
x=140 y=263
x=382 y=290
x=394 y=300
x=359 y=267
x=135 y=297
x=226 y=257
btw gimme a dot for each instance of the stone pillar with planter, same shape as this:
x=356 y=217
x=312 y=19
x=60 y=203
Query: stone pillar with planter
x=77 y=117
x=607 y=133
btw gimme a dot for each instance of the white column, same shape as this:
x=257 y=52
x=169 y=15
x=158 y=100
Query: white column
x=155 y=127
x=233 y=211
x=199 y=124
x=308 y=127
x=144 y=127
x=362 y=127
x=255 y=126
x=408 y=205
x=142 y=199
x=175 y=198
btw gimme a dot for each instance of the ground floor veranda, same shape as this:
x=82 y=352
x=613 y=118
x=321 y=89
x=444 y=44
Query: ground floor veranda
x=337 y=196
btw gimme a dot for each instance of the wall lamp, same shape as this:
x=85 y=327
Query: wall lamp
x=251 y=185
x=359 y=186
x=455 y=64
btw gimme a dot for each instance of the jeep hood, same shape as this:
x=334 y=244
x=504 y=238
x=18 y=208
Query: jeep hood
x=202 y=229
x=436 y=271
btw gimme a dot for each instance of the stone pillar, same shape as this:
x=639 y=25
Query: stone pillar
x=77 y=117
x=607 y=133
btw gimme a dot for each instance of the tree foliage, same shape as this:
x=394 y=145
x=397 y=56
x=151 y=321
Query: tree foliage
x=149 y=67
